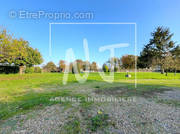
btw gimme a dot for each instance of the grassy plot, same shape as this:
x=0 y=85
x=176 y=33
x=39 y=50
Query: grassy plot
x=20 y=93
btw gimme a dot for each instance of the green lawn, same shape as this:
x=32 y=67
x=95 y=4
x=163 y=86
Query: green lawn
x=20 y=93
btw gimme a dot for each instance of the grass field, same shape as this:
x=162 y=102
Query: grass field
x=19 y=93
x=22 y=93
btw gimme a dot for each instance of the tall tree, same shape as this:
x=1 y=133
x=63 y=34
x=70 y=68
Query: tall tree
x=146 y=57
x=128 y=61
x=159 y=47
x=17 y=52
x=62 y=65
x=76 y=67
x=86 y=66
x=114 y=64
x=168 y=63
x=94 y=66
x=176 y=58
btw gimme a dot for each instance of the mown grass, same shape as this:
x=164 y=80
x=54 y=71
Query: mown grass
x=20 y=93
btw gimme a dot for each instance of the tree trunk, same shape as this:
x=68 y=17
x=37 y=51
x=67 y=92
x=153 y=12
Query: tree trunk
x=162 y=71
x=21 y=69
x=166 y=73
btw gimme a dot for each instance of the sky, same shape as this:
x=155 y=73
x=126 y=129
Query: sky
x=147 y=15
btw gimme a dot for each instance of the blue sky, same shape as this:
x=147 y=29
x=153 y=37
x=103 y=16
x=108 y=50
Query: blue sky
x=146 y=14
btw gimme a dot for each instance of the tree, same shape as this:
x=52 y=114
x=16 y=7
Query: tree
x=34 y=57
x=80 y=63
x=17 y=52
x=71 y=67
x=94 y=66
x=105 y=68
x=86 y=66
x=176 y=58
x=50 y=67
x=159 y=47
x=146 y=57
x=114 y=64
x=5 y=47
x=168 y=63
x=76 y=67
x=62 y=65
x=128 y=61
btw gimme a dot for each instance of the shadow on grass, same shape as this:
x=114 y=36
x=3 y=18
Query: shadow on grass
x=129 y=90
x=146 y=91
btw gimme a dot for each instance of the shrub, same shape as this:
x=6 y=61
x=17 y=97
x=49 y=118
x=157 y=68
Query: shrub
x=97 y=86
x=115 y=69
x=8 y=69
x=37 y=70
x=29 y=70
x=105 y=68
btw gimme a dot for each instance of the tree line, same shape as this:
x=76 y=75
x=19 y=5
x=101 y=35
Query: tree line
x=70 y=67
x=160 y=53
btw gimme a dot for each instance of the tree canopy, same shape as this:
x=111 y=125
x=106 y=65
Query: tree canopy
x=17 y=51
x=128 y=61
x=158 y=50
x=50 y=67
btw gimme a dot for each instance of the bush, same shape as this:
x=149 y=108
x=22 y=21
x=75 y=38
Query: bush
x=29 y=70
x=105 y=68
x=37 y=70
x=115 y=69
x=8 y=69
